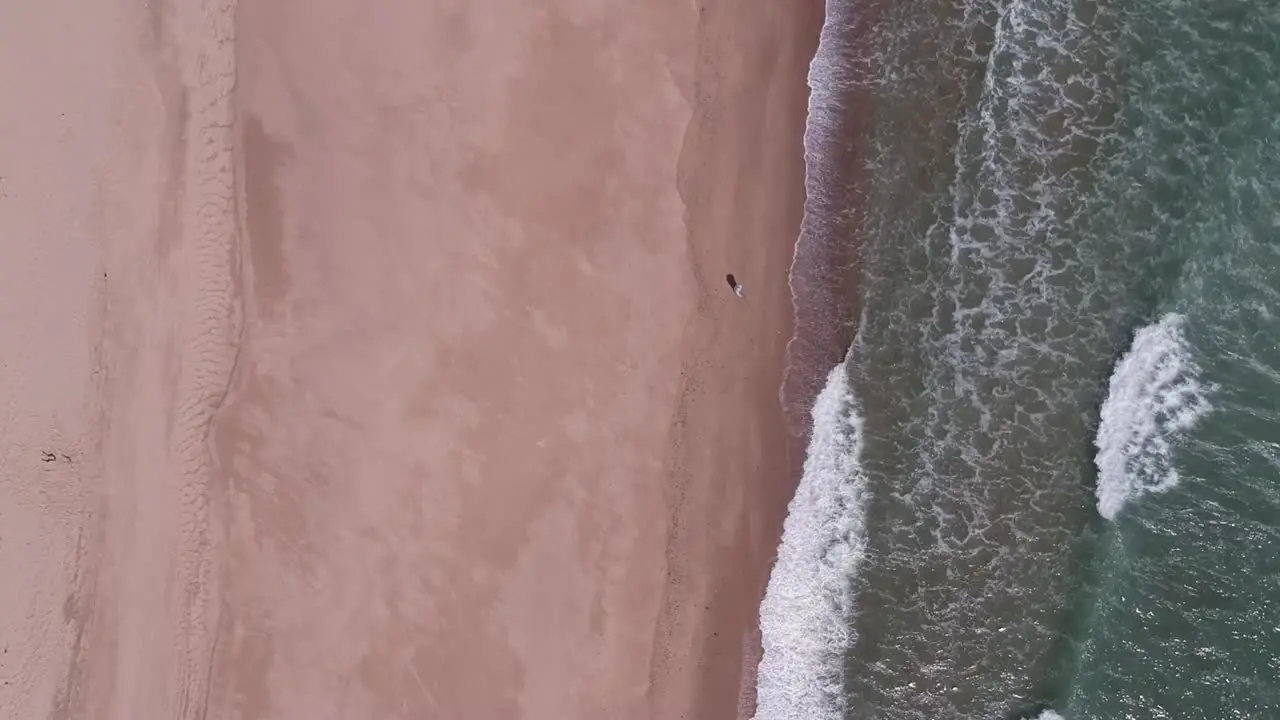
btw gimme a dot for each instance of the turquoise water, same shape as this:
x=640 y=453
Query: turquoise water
x=1185 y=616
x=1046 y=479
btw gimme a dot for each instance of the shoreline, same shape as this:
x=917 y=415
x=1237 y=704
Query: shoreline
x=824 y=297
x=723 y=686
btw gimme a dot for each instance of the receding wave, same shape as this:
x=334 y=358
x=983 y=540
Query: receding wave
x=1155 y=396
x=804 y=619
x=820 y=277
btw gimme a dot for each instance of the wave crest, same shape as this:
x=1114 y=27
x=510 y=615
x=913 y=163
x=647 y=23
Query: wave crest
x=1155 y=396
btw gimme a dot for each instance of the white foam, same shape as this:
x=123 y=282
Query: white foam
x=1049 y=715
x=808 y=605
x=1155 y=396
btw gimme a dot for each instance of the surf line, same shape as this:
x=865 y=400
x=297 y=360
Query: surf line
x=808 y=604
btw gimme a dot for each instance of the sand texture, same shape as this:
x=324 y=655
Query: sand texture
x=377 y=361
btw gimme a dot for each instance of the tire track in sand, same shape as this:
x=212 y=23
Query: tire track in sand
x=211 y=324
x=176 y=323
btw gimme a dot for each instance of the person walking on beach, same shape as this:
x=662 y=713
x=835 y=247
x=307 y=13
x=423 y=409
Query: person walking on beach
x=733 y=283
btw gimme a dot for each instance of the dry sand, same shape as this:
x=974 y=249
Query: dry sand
x=386 y=358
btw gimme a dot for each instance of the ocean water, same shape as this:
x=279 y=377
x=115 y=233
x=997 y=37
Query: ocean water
x=1044 y=482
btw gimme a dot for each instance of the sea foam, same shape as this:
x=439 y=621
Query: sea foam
x=1155 y=396
x=808 y=605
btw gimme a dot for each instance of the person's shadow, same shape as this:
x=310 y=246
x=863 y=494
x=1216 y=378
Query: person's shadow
x=733 y=282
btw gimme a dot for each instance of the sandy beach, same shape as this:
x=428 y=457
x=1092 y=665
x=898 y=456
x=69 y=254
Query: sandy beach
x=386 y=357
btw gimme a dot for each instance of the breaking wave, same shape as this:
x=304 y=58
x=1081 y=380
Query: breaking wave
x=1155 y=396
x=805 y=616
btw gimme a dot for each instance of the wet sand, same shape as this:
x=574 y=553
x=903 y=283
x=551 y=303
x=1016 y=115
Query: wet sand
x=403 y=381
